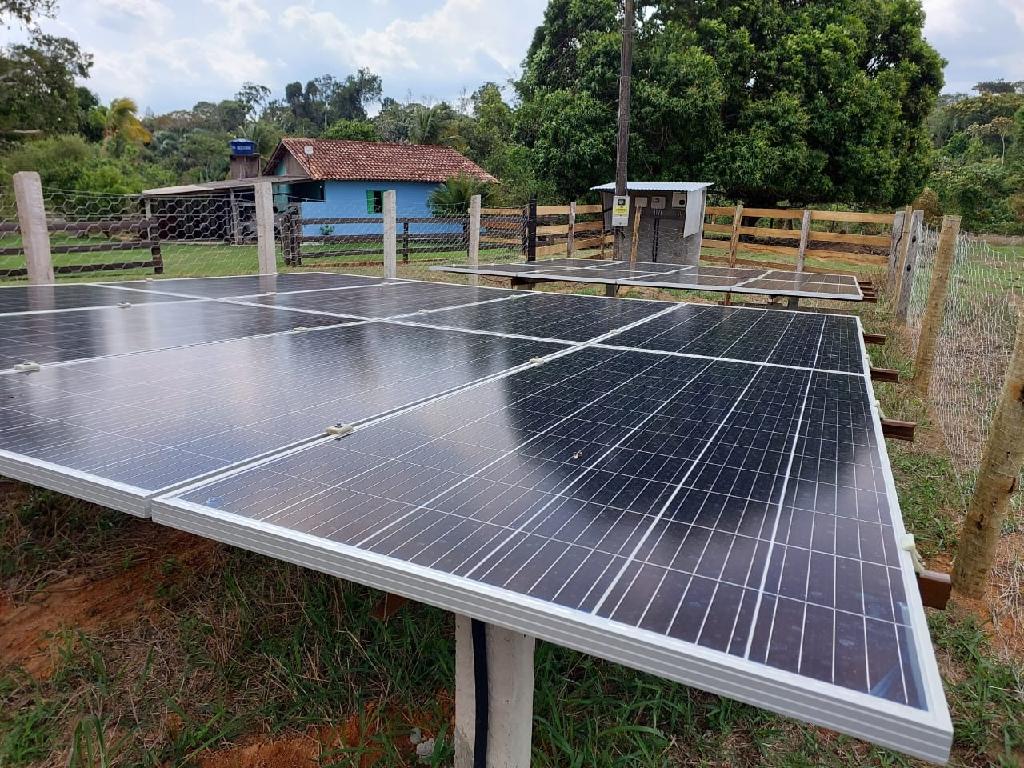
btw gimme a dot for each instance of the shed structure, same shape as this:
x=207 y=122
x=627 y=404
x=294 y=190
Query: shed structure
x=671 y=218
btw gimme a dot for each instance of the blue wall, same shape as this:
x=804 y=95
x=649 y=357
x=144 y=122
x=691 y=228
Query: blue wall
x=348 y=198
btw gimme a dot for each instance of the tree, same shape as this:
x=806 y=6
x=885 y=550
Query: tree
x=1002 y=127
x=123 y=127
x=354 y=130
x=988 y=87
x=37 y=84
x=822 y=100
x=25 y=11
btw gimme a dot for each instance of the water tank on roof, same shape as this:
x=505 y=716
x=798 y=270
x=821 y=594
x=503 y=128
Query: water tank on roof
x=242 y=147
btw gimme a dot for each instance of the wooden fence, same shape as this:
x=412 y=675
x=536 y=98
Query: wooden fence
x=792 y=238
x=774 y=238
x=124 y=228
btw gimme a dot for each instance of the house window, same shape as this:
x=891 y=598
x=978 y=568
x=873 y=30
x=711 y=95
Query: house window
x=375 y=201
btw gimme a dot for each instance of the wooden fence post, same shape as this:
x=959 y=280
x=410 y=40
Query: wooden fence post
x=474 y=235
x=265 y=246
x=805 y=235
x=405 y=242
x=570 y=238
x=931 y=323
x=899 y=220
x=913 y=251
x=35 y=234
x=531 y=230
x=734 y=238
x=997 y=481
x=390 y=241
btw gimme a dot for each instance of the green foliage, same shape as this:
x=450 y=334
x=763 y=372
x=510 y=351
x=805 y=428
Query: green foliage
x=39 y=91
x=354 y=130
x=69 y=162
x=454 y=195
x=818 y=101
x=979 y=163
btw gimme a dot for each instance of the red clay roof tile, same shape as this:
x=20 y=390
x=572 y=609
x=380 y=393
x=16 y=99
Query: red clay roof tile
x=340 y=160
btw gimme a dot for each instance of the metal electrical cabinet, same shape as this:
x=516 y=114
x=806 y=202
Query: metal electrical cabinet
x=671 y=218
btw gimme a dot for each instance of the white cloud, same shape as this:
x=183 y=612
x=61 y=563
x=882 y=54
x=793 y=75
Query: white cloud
x=943 y=18
x=450 y=39
x=149 y=11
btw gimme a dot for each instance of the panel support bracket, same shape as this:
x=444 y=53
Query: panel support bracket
x=885 y=374
x=875 y=338
x=509 y=684
x=899 y=430
x=934 y=587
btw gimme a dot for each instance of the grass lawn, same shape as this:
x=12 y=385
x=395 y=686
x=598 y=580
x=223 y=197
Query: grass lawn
x=126 y=644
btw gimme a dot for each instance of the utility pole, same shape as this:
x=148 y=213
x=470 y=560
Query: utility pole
x=622 y=235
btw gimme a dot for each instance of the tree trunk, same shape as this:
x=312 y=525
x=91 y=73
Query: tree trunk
x=997 y=482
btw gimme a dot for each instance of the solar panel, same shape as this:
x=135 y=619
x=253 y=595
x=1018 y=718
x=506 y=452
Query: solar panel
x=247 y=285
x=778 y=337
x=700 y=492
x=59 y=337
x=385 y=300
x=50 y=298
x=751 y=280
x=116 y=429
x=727 y=524
x=547 y=316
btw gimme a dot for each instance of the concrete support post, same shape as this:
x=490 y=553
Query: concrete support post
x=906 y=280
x=390 y=235
x=35 y=235
x=266 y=248
x=474 y=236
x=510 y=699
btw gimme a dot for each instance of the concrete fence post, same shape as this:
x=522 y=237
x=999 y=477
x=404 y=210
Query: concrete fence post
x=474 y=235
x=931 y=323
x=35 y=235
x=266 y=247
x=390 y=235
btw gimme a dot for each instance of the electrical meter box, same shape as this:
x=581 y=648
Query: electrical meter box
x=668 y=217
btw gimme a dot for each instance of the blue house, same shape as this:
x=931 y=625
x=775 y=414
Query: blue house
x=333 y=178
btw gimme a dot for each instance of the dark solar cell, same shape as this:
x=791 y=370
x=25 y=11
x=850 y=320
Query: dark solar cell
x=160 y=418
x=248 y=285
x=47 y=298
x=575 y=318
x=386 y=300
x=55 y=337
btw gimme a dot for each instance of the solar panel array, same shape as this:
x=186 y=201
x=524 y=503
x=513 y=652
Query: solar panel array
x=700 y=492
x=662 y=275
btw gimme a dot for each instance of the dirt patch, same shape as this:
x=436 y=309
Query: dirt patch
x=107 y=596
x=300 y=751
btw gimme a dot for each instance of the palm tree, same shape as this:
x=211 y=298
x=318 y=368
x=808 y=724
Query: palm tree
x=452 y=197
x=122 y=125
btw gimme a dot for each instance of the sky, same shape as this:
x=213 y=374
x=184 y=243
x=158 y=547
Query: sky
x=169 y=54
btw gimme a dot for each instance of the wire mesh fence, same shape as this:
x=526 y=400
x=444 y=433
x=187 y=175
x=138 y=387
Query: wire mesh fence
x=111 y=237
x=975 y=341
